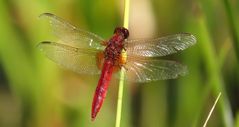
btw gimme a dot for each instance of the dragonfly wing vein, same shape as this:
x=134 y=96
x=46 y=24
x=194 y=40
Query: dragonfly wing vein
x=82 y=61
x=71 y=35
x=160 y=46
x=146 y=70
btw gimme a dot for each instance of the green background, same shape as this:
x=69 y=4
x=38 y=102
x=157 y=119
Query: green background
x=35 y=92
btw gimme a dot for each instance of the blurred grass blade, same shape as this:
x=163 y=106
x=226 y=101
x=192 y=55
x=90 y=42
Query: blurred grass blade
x=233 y=25
x=213 y=71
x=212 y=109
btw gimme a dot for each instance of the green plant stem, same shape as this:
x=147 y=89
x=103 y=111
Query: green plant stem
x=122 y=74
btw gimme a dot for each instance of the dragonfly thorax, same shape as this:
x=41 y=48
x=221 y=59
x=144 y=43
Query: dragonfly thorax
x=113 y=52
x=115 y=44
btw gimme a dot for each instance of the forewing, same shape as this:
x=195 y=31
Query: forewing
x=161 y=46
x=82 y=61
x=146 y=70
x=71 y=35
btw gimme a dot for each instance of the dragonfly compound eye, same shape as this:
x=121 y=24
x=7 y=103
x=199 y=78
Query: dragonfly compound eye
x=126 y=32
x=123 y=31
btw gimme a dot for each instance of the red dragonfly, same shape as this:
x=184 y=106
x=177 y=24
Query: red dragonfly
x=87 y=53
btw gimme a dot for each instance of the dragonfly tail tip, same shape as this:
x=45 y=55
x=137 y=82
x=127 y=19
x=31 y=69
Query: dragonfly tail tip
x=92 y=119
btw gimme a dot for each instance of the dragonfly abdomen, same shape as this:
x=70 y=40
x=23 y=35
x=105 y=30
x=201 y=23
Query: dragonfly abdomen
x=102 y=87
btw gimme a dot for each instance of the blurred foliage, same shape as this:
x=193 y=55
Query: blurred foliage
x=35 y=92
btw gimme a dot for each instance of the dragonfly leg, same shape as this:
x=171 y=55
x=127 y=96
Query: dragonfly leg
x=100 y=60
x=105 y=43
x=123 y=66
x=119 y=65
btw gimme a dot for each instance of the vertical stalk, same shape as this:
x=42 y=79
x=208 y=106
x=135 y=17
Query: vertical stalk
x=122 y=74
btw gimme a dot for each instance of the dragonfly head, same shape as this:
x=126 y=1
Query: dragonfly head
x=123 y=31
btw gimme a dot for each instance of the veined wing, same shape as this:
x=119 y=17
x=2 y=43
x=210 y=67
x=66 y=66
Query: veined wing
x=80 y=60
x=146 y=70
x=161 y=46
x=71 y=35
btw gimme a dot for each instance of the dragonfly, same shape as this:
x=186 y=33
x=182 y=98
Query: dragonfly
x=87 y=53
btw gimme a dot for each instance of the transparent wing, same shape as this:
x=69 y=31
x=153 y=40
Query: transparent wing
x=146 y=70
x=71 y=35
x=161 y=46
x=82 y=61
